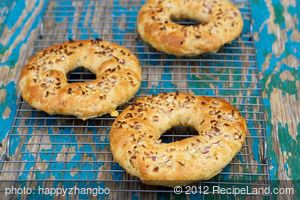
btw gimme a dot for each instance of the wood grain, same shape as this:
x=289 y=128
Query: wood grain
x=277 y=36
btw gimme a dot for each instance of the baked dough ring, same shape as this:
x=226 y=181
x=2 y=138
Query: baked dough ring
x=220 y=23
x=135 y=143
x=43 y=82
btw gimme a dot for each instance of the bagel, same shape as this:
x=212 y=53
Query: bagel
x=43 y=81
x=220 y=23
x=135 y=143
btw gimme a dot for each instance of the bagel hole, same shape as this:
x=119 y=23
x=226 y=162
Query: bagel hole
x=185 y=21
x=178 y=133
x=80 y=74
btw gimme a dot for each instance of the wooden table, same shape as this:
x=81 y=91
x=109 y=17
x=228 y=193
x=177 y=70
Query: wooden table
x=276 y=31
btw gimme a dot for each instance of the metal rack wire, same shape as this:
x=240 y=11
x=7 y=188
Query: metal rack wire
x=66 y=151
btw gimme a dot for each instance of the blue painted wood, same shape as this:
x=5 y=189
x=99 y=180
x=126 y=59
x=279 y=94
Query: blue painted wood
x=276 y=30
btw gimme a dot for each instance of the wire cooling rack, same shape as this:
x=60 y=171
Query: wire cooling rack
x=62 y=151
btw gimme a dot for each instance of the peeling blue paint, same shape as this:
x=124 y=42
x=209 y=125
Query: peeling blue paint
x=10 y=103
x=14 y=56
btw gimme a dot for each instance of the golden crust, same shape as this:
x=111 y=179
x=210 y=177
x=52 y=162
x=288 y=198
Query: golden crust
x=220 y=23
x=43 y=82
x=135 y=143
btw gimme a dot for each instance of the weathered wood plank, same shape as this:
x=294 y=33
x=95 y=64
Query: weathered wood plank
x=17 y=35
x=277 y=41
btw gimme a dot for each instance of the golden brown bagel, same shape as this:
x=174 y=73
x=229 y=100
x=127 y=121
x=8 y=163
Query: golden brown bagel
x=43 y=82
x=220 y=23
x=135 y=143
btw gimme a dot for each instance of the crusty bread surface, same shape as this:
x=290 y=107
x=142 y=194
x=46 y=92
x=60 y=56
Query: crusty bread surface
x=220 y=23
x=136 y=145
x=43 y=81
